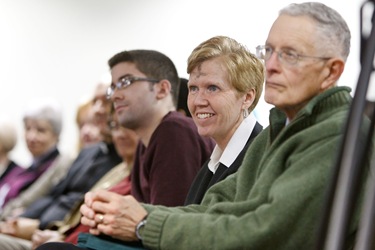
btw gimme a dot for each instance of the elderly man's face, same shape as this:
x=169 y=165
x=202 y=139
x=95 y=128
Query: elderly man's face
x=290 y=87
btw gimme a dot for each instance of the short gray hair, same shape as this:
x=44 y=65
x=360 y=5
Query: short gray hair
x=334 y=32
x=45 y=109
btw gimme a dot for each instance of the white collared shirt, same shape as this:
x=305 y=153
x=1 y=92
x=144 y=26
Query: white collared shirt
x=235 y=145
x=287 y=122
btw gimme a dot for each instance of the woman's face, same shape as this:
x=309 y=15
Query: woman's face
x=126 y=141
x=216 y=107
x=39 y=136
x=89 y=131
x=89 y=134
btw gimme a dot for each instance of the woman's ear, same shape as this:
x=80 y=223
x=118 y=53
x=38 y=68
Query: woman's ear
x=334 y=68
x=248 y=99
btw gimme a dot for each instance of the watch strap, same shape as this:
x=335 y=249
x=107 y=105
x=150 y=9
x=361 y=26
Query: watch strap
x=139 y=228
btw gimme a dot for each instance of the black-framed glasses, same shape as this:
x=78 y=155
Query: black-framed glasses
x=287 y=56
x=125 y=82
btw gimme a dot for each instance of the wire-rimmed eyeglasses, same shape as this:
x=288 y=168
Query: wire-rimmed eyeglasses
x=288 y=56
x=125 y=82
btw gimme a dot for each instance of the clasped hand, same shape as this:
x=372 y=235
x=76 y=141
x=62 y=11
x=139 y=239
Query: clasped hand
x=112 y=214
x=20 y=227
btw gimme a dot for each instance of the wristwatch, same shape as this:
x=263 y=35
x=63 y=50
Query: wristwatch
x=139 y=229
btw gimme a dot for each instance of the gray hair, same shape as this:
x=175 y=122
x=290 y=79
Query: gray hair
x=45 y=109
x=8 y=135
x=334 y=32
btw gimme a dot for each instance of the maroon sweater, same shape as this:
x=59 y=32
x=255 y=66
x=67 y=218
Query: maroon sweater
x=163 y=172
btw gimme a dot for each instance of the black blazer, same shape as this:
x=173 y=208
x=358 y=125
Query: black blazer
x=205 y=179
x=90 y=165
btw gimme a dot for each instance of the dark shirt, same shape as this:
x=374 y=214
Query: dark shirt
x=90 y=165
x=205 y=178
x=163 y=172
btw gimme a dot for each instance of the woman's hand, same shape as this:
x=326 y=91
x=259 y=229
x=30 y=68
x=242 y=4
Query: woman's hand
x=41 y=236
x=20 y=227
x=9 y=226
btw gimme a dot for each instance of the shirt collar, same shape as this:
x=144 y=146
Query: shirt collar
x=235 y=145
x=39 y=160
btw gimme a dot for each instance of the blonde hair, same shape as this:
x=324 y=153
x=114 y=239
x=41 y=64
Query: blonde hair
x=245 y=70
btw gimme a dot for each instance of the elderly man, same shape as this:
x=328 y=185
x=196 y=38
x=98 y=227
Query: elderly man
x=274 y=200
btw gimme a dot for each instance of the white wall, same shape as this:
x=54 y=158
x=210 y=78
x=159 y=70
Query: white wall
x=60 y=47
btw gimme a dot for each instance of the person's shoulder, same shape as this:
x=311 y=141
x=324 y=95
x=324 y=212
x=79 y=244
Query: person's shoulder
x=176 y=125
x=88 y=152
x=61 y=163
x=177 y=119
x=91 y=148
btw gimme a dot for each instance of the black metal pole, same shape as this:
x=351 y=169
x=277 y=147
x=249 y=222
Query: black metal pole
x=366 y=235
x=349 y=166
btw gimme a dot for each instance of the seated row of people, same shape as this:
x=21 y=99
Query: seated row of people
x=44 y=115
x=168 y=161
x=182 y=162
x=274 y=200
x=42 y=119
x=89 y=166
x=232 y=132
x=171 y=152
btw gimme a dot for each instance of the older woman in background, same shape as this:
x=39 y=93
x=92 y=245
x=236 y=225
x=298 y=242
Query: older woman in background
x=43 y=124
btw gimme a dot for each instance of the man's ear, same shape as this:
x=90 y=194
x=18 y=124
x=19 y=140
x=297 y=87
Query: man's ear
x=163 y=89
x=334 y=68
